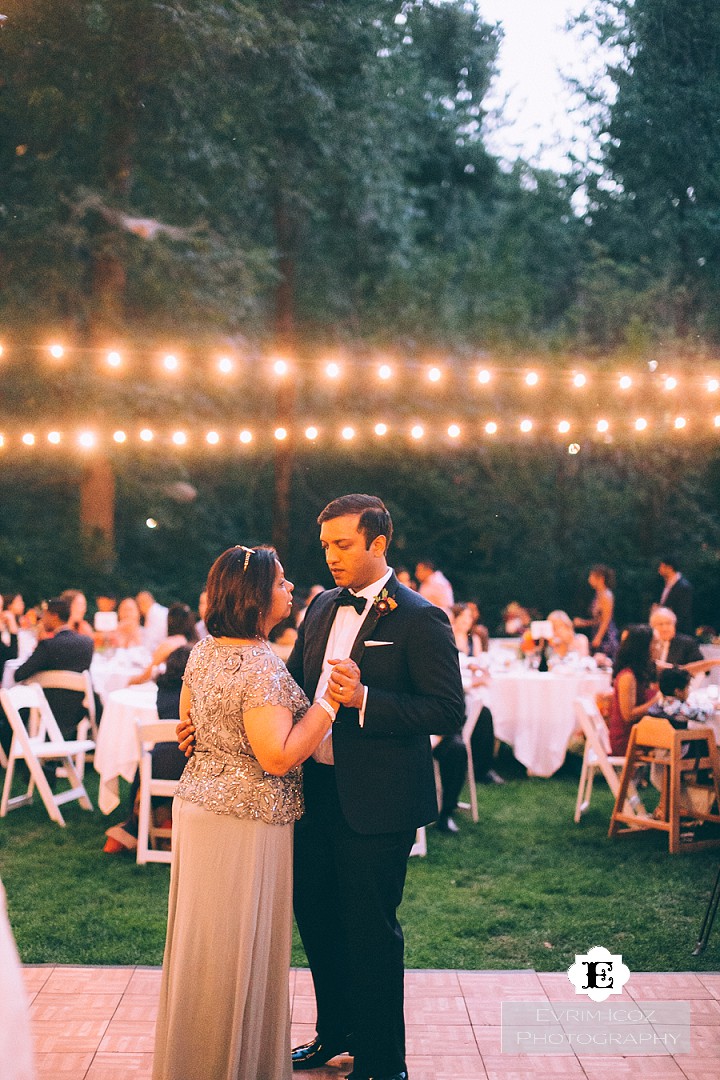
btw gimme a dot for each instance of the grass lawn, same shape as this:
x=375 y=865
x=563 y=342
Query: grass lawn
x=524 y=888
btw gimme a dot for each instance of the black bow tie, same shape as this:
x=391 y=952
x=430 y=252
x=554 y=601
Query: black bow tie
x=348 y=599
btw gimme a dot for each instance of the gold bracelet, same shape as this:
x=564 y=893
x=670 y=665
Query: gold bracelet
x=327 y=707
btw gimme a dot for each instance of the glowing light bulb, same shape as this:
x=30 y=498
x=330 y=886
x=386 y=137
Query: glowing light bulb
x=151 y=523
x=454 y=431
x=434 y=374
x=2 y=440
x=179 y=438
x=171 y=363
x=640 y=424
x=225 y=365
x=563 y=427
x=212 y=438
x=87 y=439
x=2 y=350
x=146 y=435
x=574 y=448
x=417 y=431
x=245 y=437
x=57 y=351
x=716 y=421
x=526 y=426
x=119 y=436
x=491 y=428
x=625 y=382
x=713 y=385
x=381 y=429
x=532 y=378
x=54 y=437
x=602 y=426
x=332 y=370
x=670 y=383
x=280 y=434
x=483 y=376
x=680 y=422
x=579 y=380
x=281 y=367
x=385 y=372
x=311 y=433
x=114 y=359
x=348 y=433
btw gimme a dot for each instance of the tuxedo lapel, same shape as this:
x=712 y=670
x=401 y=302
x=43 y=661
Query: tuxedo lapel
x=370 y=622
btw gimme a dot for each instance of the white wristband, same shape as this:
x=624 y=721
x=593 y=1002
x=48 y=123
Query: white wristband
x=326 y=706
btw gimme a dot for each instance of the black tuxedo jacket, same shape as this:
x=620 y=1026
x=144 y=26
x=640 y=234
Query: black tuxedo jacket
x=383 y=770
x=683 y=650
x=680 y=600
x=66 y=651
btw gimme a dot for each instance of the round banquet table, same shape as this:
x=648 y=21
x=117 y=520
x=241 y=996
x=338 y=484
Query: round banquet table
x=534 y=712
x=116 y=750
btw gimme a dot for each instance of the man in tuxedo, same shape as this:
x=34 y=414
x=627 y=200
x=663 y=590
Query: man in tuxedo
x=369 y=785
x=677 y=594
x=669 y=647
x=61 y=650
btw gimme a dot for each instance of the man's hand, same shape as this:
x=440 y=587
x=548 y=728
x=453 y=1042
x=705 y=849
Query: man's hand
x=345 y=687
x=185 y=732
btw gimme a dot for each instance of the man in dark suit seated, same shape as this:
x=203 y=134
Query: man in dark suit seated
x=669 y=647
x=62 y=649
x=677 y=594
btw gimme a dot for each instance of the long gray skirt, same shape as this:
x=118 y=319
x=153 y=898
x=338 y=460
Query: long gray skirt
x=224 y=999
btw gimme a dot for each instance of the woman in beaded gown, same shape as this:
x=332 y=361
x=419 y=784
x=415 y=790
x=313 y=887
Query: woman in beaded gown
x=224 y=1000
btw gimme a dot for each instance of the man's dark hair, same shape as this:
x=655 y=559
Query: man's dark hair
x=672 y=679
x=670 y=559
x=424 y=561
x=60 y=607
x=239 y=588
x=374 y=520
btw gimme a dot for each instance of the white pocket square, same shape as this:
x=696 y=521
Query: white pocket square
x=369 y=644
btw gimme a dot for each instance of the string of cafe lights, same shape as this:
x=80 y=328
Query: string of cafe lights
x=88 y=439
x=385 y=371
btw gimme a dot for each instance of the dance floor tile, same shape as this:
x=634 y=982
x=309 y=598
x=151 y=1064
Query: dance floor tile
x=98 y=1024
x=63 y=1066
x=120 y=1067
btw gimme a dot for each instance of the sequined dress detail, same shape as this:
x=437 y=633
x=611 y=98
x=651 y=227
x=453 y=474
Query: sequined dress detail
x=223 y=775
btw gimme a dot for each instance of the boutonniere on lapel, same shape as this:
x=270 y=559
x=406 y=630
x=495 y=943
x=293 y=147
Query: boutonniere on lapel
x=384 y=603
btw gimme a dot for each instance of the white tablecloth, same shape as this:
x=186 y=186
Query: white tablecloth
x=534 y=712
x=108 y=673
x=116 y=752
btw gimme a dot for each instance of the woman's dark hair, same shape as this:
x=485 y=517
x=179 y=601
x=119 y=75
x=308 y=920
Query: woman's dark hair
x=374 y=520
x=239 y=588
x=606 y=573
x=181 y=620
x=171 y=678
x=634 y=653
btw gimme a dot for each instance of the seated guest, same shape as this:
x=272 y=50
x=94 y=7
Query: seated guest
x=78 y=608
x=129 y=631
x=168 y=760
x=478 y=630
x=565 y=640
x=515 y=620
x=61 y=649
x=282 y=638
x=634 y=685
x=154 y=620
x=433 y=585
x=669 y=647
x=673 y=705
x=181 y=631
x=8 y=635
x=474 y=677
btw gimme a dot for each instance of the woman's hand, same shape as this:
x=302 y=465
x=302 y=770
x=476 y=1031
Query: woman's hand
x=185 y=732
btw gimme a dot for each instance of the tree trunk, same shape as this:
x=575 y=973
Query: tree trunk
x=97 y=512
x=286 y=394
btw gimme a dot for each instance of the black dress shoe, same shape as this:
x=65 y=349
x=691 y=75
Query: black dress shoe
x=491 y=777
x=316 y=1053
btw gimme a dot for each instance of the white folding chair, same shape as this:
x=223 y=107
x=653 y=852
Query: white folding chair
x=597 y=757
x=81 y=683
x=150 y=732
x=45 y=744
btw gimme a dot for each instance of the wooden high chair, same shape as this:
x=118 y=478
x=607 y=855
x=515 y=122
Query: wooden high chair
x=654 y=741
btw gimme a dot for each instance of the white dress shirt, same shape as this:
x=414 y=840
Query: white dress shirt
x=344 y=630
x=155 y=628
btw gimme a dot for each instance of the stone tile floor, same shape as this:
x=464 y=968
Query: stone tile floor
x=98 y=1024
